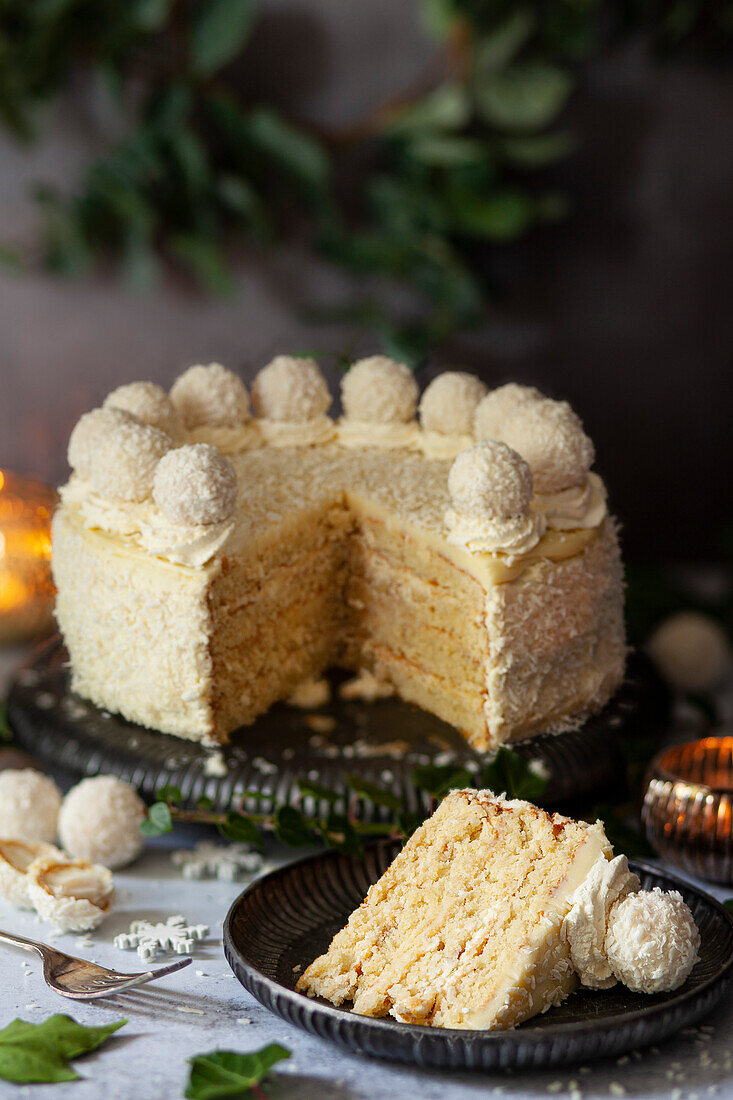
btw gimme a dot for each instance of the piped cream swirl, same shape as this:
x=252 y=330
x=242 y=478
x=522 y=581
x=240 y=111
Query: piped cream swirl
x=371 y=433
x=584 y=928
x=495 y=535
x=579 y=506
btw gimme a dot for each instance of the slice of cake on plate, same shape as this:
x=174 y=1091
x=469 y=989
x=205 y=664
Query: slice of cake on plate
x=495 y=911
x=209 y=561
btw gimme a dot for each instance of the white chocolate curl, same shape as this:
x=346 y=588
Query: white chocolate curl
x=550 y=437
x=652 y=941
x=90 y=428
x=379 y=390
x=290 y=389
x=149 y=403
x=211 y=396
x=449 y=403
x=123 y=460
x=498 y=406
x=100 y=821
x=195 y=484
x=690 y=650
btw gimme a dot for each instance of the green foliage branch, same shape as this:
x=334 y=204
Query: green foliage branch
x=447 y=170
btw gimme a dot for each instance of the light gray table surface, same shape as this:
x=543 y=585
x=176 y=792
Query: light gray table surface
x=204 y=1008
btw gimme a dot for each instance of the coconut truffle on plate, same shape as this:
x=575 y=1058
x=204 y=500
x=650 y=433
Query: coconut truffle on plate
x=100 y=821
x=29 y=805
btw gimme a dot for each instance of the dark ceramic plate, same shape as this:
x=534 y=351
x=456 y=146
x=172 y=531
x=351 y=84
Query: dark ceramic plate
x=381 y=742
x=284 y=920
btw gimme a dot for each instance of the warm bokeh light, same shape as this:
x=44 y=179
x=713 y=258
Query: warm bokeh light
x=26 y=589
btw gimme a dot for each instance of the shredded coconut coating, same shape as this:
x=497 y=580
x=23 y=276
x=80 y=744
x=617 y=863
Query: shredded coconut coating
x=291 y=389
x=29 y=805
x=652 y=941
x=490 y=480
x=195 y=484
x=690 y=650
x=379 y=390
x=449 y=403
x=123 y=460
x=550 y=437
x=89 y=430
x=499 y=405
x=211 y=396
x=100 y=821
x=72 y=894
x=149 y=403
x=16 y=857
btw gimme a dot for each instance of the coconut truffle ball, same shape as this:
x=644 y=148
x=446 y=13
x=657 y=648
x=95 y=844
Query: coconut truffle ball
x=292 y=389
x=149 y=403
x=89 y=430
x=29 y=805
x=490 y=480
x=124 y=459
x=690 y=650
x=211 y=396
x=550 y=437
x=379 y=390
x=100 y=821
x=652 y=941
x=499 y=405
x=195 y=484
x=449 y=403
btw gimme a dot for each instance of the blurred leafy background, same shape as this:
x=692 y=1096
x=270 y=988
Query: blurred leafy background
x=413 y=193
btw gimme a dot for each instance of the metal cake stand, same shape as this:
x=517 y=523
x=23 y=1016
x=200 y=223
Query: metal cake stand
x=381 y=742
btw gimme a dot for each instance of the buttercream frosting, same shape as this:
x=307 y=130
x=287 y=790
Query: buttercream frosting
x=513 y=536
x=370 y=433
x=296 y=433
x=579 y=506
x=584 y=927
x=443 y=445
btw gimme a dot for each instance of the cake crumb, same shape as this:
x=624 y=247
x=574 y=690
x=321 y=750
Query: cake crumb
x=310 y=695
x=320 y=723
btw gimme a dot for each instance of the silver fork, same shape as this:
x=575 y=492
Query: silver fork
x=72 y=977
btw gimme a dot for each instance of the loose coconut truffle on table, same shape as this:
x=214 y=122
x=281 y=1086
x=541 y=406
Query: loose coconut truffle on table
x=690 y=650
x=149 y=403
x=100 y=821
x=123 y=461
x=72 y=894
x=16 y=856
x=211 y=396
x=195 y=484
x=29 y=805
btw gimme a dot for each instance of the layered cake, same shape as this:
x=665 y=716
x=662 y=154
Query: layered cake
x=214 y=552
x=493 y=912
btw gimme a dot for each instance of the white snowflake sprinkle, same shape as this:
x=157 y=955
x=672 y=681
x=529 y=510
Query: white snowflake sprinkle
x=228 y=862
x=174 y=935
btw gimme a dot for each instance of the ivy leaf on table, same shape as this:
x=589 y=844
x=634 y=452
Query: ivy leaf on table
x=310 y=789
x=373 y=793
x=229 y=1075
x=240 y=829
x=158 y=821
x=437 y=779
x=291 y=827
x=339 y=833
x=511 y=774
x=39 y=1053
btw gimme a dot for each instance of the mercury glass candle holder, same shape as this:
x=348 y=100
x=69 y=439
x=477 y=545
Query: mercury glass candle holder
x=26 y=588
x=688 y=807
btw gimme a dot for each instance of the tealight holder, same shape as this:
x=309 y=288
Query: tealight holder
x=688 y=807
x=26 y=588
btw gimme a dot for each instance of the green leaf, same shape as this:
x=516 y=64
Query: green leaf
x=6 y=734
x=158 y=821
x=408 y=821
x=510 y=774
x=525 y=97
x=447 y=151
x=228 y=1075
x=538 y=150
x=204 y=803
x=289 y=148
x=38 y=1053
x=497 y=49
x=447 y=108
x=373 y=793
x=499 y=216
x=339 y=833
x=149 y=15
x=240 y=829
x=728 y=903
x=317 y=790
x=291 y=828
x=205 y=260
x=219 y=32
x=437 y=17
x=169 y=793
x=437 y=779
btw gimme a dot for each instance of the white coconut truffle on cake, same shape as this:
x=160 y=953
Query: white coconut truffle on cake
x=100 y=821
x=90 y=428
x=16 y=857
x=490 y=479
x=550 y=437
x=449 y=403
x=690 y=650
x=29 y=805
x=195 y=484
x=290 y=388
x=379 y=390
x=652 y=941
x=211 y=396
x=124 y=459
x=496 y=408
x=72 y=894
x=149 y=403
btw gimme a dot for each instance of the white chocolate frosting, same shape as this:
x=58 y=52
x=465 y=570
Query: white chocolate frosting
x=372 y=433
x=442 y=445
x=296 y=433
x=580 y=506
x=514 y=535
x=230 y=441
x=584 y=928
